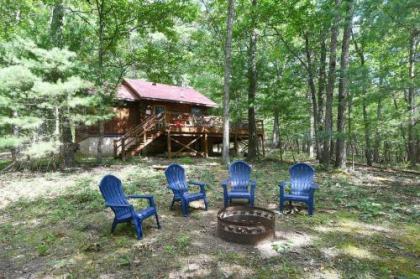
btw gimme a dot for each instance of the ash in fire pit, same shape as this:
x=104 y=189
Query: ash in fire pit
x=245 y=225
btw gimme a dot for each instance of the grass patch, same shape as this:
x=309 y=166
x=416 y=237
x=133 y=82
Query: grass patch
x=359 y=227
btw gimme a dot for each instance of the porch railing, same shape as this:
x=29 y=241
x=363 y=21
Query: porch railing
x=179 y=119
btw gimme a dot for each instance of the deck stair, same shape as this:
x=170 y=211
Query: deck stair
x=140 y=136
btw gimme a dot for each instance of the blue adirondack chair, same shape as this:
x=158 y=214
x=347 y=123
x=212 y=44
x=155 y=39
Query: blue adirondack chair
x=302 y=186
x=241 y=185
x=112 y=191
x=177 y=182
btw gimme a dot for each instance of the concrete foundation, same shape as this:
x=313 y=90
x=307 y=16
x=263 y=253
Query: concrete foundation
x=89 y=145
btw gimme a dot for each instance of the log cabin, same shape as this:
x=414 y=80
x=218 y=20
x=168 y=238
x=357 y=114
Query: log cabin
x=152 y=118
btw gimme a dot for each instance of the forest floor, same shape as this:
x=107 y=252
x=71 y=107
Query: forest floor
x=366 y=225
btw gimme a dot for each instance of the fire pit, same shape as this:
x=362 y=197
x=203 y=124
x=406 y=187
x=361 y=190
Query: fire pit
x=245 y=225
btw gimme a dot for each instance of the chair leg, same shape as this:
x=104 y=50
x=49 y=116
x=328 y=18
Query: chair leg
x=310 y=209
x=114 y=225
x=225 y=201
x=139 y=229
x=172 y=204
x=206 y=203
x=251 y=202
x=281 y=206
x=157 y=221
x=184 y=207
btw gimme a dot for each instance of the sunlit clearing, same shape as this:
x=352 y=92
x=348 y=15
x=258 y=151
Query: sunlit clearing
x=356 y=252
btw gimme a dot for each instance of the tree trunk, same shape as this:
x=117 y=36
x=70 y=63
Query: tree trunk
x=314 y=140
x=311 y=142
x=368 y=148
x=252 y=77
x=340 y=159
x=67 y=147
x=412 y=135
x=400 y=126
x=101 y=31
x=101 y=127
x=226 y=86
x=350 y=127
x=366 y=121
x=276 y=129
x=321 y=93
x=328 y=126
x=15 y=150
x=57 y=123
x=56 y=28
x=377 y=133
x=387 y=152
x=418 y=149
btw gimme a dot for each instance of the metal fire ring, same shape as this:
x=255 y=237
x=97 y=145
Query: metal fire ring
x=245 y=225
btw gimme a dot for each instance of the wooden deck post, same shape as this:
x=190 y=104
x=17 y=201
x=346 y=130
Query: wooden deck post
x=206 y=146
x=235 y=144
x=123 y=149
x=115 y=149
x=169 y=145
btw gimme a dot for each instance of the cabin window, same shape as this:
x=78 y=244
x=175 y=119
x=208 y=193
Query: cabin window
x=148 y=110
x=196 y=111
x=159 y=109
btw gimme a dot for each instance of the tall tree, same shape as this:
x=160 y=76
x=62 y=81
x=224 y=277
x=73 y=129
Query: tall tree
x=340 y=159
x=377 y=128
x=366 y=121
x=321 y=91
x=328 y=126
x=314 y=138
x=252 y=80
x=63 y=124
x=413 y=137
x=57 y=22
x=227 y=78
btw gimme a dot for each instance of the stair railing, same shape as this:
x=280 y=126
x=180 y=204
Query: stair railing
x=138 y=133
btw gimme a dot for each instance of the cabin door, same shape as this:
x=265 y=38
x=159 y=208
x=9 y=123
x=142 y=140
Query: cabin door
x=158 y=110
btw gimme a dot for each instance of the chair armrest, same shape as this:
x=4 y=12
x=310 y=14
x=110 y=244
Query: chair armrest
x=314 y=186
x=197 y=183
x=150 y=198
x=118 y=205
x=224 y=183
x=139 y=196
x=201 y=184
x=312 y=189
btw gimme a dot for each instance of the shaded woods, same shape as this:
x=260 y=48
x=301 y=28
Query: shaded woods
x=333 y=79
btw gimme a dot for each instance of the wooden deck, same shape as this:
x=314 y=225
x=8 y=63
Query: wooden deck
x=185 y=134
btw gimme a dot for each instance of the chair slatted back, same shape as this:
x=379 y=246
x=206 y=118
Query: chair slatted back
x=239 y=176
x=301 y=178
x=112 y=191
x=177 y=181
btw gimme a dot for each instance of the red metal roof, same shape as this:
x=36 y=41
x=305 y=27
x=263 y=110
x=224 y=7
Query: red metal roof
x=134 y=90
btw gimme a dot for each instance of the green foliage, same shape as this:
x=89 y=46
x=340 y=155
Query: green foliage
x=185 y=160
x=183 y=241
x=39 y=89
x=181 y=42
